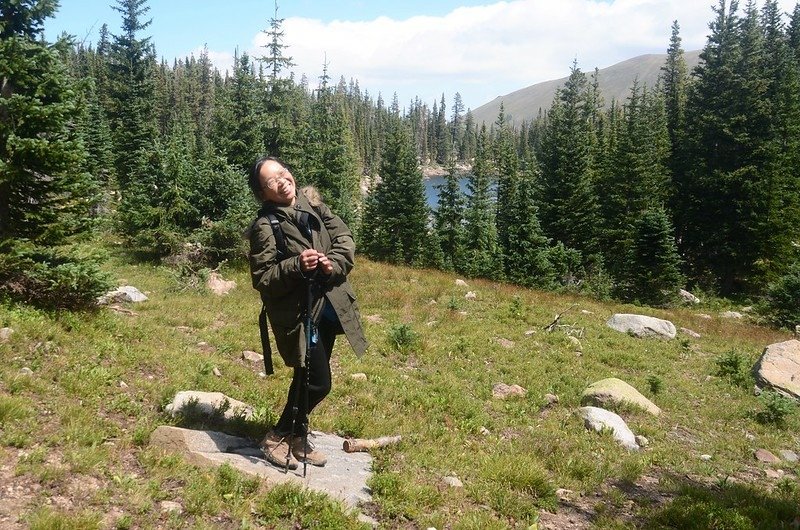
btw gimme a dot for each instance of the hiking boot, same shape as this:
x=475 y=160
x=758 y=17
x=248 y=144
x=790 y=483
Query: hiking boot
x=312 y=456
x=275 y=448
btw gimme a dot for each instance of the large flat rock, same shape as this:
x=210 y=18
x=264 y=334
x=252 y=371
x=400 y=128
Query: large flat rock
x=779 y=368
x=344 y=477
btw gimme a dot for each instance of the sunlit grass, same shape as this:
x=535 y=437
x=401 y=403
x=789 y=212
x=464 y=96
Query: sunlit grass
x=100 y=381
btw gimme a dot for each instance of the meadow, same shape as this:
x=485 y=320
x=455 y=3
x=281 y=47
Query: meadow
x=75 y=426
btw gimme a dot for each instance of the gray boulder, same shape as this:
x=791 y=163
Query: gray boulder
x=126 y=293
x=642 y=326
x=779 y=368
x=617 y=391
x=731 y=314
x=598 y=420
x=688 y=297
x=5 y=334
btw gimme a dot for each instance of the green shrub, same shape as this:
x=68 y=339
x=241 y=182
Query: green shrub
x=58 y=278
x=782 y=303
x=402 y=337
x=655 y=383
x=776 y=409
x=733 y=366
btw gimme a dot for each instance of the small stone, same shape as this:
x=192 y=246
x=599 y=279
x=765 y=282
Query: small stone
x=358 y=376
x=171 y=507
x=5 y=334
x=693 y=334
x=587 y=312
x=431 y=323
x=575 y=343
x=747 y=309
x=25 y=371
x=551 y=399
x=484 y=431
x=433 y=302
x=252 y=356
x=218 y=285
x=788 y=455
x=123 y=385
x=453 y=482
x=262 y=374
x=756 y=390
x=505 y=343
x=216 y=372
x=703 y=315
x=705 y=458
x=504 y=391
x=762 y=455
x=471 y=295
x=642 y=441
x=749 y=437
x=563 y=493
x=797 y=331
x=530 y=332
x=461 y=283
x=184 y=329
x=774 y=473
x=463 y=313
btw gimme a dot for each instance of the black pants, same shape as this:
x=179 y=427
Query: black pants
x=319 y=381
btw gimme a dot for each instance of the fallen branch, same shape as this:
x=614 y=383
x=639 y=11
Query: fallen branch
x=552 y=325
x=358 y=444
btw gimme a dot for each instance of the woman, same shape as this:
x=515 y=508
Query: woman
x=309 y=248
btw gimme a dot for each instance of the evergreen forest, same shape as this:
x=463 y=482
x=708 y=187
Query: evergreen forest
x=691 y=183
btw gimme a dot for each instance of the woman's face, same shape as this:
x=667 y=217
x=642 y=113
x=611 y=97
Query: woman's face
x=277 y=183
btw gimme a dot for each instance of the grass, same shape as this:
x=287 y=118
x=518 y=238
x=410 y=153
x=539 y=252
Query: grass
x=100 y=381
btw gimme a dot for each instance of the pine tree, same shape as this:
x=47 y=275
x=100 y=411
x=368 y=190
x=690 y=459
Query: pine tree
x=44 y=193
x=444 y=138
x=449 y=220
x=457 y=124
x=506 y=162
x=731 y=143
x=332 y=165
x=131 y=63
x=527 y=260
x=483 y=257
x=275 y=60
x=653 y=265
x=395 y=222
x=569 y=201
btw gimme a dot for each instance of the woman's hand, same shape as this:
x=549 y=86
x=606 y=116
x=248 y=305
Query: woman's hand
x=310 y=259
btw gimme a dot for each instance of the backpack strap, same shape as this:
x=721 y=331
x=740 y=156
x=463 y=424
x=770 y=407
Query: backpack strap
x=263 y=327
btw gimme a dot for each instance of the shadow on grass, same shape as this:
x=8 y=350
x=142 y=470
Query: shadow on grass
x=726 y=505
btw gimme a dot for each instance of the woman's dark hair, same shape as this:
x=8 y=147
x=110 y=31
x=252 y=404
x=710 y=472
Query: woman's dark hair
x=253 y=180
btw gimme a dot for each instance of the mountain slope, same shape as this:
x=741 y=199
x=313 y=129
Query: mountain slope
x=615 y=82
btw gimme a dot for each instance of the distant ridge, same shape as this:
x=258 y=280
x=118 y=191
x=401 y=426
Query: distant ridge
x=615 y=83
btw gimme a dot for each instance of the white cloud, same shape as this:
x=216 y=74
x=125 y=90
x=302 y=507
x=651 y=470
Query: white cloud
x=490 y=50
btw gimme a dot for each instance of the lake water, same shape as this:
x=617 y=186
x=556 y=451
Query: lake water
x=432 y=194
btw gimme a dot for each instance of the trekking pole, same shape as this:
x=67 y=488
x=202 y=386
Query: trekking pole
x=303 y=377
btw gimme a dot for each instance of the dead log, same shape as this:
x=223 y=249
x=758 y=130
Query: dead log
x=358 y=444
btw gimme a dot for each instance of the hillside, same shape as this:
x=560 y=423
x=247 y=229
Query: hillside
x=615 y=83
x=80 y=395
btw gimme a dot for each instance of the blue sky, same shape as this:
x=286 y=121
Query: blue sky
x=479 y=48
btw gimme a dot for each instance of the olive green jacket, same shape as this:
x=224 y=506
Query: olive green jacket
x=283 y=286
